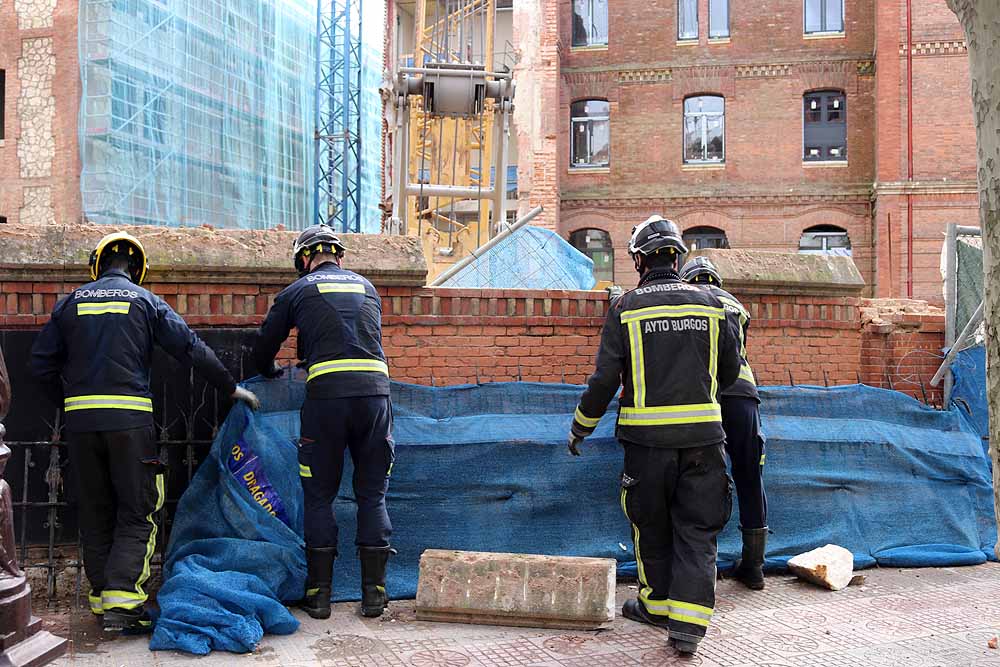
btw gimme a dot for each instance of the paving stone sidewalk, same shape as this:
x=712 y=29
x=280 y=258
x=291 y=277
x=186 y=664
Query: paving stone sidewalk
x=914 y=618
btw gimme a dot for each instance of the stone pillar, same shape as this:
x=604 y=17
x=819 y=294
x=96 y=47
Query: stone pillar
x=22 y=641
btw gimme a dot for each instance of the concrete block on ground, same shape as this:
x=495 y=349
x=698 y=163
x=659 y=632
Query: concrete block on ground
x=831 y=566
x=516 y=589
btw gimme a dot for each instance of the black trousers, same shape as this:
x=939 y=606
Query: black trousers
x=362 y=425
x=745 y=446
x=120 y=481
x=678 y=500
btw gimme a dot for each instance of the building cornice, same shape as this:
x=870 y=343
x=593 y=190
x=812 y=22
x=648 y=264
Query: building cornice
x=602 y=199
x=677 y=67
x=957 y=187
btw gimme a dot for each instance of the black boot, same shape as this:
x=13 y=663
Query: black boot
x=373 y=595
x=682 y=646
x=319 y=567
x=636 y=611
x=129 y=621
x=750 y=569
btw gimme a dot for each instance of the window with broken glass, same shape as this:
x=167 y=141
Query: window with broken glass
x=824 y=134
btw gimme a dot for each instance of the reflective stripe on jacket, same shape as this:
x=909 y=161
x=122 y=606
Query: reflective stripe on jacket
x=338 y=315
x=746 y=383
x=673 y=348
x=94 y=355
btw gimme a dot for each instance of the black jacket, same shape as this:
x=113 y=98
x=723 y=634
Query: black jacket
x=673 y=348
x=94 y=354
x=339 y=317
x=745 y=385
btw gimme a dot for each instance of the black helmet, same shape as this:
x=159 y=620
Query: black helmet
x=655 y=234
x=120 y=244
x=701 y=270
x=317 y=238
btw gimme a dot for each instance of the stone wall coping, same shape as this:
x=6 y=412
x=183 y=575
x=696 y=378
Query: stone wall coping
x=785 y=273
x=200 y=254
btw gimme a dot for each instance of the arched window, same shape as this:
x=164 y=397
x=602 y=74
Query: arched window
x=590 y=125
x=704 y=129
x=590 y=22
x=825 y=240
x=596 y=244
x=705 y=237
x=824 y=126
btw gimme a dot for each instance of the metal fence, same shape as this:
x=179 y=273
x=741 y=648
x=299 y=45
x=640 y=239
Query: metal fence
x=187 y=413
x=962 y=267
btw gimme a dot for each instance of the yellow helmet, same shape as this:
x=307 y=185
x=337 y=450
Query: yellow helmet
x=121 y=243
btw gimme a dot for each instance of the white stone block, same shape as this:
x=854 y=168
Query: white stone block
x=830 y=566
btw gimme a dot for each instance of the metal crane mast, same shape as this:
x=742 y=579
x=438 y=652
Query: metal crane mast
x=337 y=197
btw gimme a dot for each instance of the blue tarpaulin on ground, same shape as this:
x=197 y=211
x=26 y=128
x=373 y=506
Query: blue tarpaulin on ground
x=485 y=468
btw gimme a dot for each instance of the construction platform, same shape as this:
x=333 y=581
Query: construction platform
x=933 y=617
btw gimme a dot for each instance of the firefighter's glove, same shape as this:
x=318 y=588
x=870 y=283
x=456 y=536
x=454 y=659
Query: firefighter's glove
x=247 y=397
x=275 y=372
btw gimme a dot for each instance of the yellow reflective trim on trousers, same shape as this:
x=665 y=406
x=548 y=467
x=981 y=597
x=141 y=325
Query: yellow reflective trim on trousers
x=340 y=288
x=681 y=310
x=762 y=457
x=697 y=609
x=747 y=374
x=654 y=607
x=108 y=401
x=713 y=357
x=95 y=604
x=121 y=600
x=341 y=365
x=584 y=420
x=640 y=568
x=693 y=620
x=151 y=543
x=103 y=308
x=667 y=415
x=311 y=592
x=305 y=471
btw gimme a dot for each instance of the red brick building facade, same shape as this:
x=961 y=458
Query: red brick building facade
x=900 y=172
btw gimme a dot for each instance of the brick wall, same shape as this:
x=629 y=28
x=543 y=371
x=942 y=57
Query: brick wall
x=765 y=197
x=445 y=336
x=901 y=345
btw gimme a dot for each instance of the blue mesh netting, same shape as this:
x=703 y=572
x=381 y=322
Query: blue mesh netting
x=530 y=258
x=485 y=468
x=969 y=389
x=204 y=111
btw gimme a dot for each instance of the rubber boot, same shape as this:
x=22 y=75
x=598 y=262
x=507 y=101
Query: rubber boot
x=681 y=646
x=130 y=621
x=750 y=570
x=636 y=611
x=373 y=595
x=319 y=575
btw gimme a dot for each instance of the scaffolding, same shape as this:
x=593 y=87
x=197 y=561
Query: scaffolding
x=197 y=112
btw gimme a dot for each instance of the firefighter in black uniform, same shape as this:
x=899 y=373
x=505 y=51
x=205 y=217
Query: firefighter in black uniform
x=741 y=422
x=93 y=357
x=339 y=319
x=671 y=346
